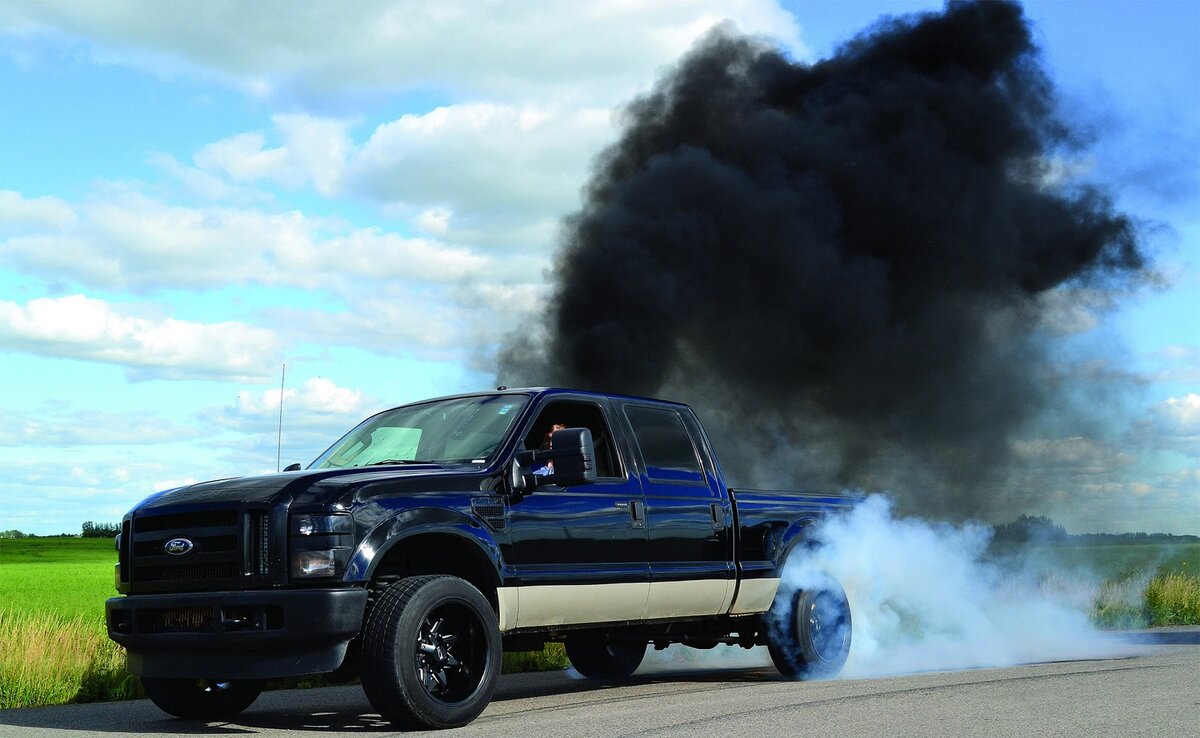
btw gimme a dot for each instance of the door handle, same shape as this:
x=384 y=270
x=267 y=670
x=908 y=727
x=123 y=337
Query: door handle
x=637 y=514
x=718 y=516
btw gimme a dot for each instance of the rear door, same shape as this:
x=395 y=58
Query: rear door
x=690 y=544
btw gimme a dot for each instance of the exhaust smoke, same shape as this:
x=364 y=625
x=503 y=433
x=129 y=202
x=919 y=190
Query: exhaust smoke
x=858 y=254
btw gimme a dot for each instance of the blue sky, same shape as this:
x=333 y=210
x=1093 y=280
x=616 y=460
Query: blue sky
x=371 y=194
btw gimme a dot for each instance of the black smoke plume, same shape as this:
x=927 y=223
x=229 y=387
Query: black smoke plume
x=845 y=265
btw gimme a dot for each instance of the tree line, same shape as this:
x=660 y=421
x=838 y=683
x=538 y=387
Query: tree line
x=1041 y=530
x=89 y=529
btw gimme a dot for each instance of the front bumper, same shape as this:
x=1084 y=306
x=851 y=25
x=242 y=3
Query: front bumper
x=236 y=635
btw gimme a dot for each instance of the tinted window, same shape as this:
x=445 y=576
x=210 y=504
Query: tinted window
x=666 y=446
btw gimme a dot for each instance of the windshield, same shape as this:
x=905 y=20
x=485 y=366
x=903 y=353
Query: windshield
x=463 y=429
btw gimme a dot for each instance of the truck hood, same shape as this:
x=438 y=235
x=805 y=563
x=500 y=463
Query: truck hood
x=299 y=486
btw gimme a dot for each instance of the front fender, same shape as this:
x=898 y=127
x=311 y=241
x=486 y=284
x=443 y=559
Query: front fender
x=406 y=524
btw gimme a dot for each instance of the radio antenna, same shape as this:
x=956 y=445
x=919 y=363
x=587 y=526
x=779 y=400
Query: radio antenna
x=279 y=436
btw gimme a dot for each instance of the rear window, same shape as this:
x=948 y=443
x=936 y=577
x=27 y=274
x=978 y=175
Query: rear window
x=666 y=447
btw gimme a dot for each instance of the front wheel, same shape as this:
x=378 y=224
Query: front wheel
x=431 y=653
x=809 y=631
x=201 y=699
x=600 y=660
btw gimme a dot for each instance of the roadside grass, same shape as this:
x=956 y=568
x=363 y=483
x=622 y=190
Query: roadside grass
x=53 y=644
x=49 y=659
x=552 y=657
x=1174 y=599
x=1145 y=586
x=54 y=648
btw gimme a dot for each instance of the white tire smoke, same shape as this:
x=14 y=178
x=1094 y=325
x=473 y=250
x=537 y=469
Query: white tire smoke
x=924 y=598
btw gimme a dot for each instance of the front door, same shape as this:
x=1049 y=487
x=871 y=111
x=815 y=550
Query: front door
x=578 y=554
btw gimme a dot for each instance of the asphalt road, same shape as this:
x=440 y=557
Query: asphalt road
x=1154 y=693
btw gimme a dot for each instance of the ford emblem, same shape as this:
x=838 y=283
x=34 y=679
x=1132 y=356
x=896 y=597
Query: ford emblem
x=178 y=547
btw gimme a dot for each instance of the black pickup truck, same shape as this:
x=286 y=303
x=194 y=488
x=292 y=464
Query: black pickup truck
x=436 y=535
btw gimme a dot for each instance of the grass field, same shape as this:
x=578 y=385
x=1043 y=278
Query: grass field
x=53 y=645
x=61 y=576
x=1141 y=584
x=54 y=648
x=1115 y=562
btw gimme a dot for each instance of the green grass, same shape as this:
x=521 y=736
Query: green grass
x=1121 y=561
x=552 y=657
x=50 y=659
x=1143 y=584
x=1174 y=599
x=64 y=576
x=53 y=644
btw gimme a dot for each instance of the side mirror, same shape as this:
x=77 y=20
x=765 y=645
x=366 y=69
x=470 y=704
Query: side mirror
x=292 y=467
x=574 y=457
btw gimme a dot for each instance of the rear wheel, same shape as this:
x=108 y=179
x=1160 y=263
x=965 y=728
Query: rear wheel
x=201 y=699
x=431 y=653
x=809 y=631
x=601 y=660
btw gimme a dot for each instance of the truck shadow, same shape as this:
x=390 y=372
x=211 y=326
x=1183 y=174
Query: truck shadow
x=345 y=708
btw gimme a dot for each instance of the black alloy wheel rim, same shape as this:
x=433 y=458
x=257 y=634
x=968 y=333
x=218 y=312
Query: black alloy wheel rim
x=449 y=657
x=826 y=626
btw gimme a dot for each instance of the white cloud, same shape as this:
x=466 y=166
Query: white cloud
x=18 y=213
x=435 y=221
x=314 y=415
x=79 y=327
x=1181 y=415
x=483 y=157
x=198 y=183
x=85 y=427
x=317 y=395
x=1176 y=424
x=126 y=240
x=312 y=151
x=608 y=49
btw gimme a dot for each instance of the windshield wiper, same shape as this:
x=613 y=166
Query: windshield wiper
x=399 y=461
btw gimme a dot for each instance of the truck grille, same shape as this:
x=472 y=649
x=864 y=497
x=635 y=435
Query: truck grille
x=196 y=550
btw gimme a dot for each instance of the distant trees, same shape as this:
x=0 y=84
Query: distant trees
x=90 y=530
x=1030 y=529
x=1040 y=530
x=100 y=530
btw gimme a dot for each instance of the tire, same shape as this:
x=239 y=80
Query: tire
x=200 y=699
x=431 y=653
x=601 y=660
x=809 y=631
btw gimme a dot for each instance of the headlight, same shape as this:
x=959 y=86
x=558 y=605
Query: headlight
x=320 y=545
x=317 y=525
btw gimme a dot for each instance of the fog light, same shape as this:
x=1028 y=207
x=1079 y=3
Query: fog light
x=324 y=563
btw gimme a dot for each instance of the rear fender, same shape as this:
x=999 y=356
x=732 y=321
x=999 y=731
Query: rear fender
x=796 y=536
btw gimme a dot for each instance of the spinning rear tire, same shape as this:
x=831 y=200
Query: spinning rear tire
x=809 y=631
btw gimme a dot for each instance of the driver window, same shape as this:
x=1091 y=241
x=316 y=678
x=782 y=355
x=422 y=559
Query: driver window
x=579 y=415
